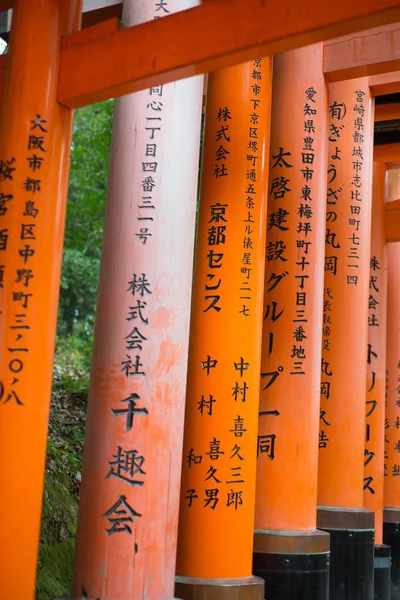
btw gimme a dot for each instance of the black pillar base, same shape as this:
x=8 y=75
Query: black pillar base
x=382 y=568
x=352 y=551
x=391 y=536
x=294 y=564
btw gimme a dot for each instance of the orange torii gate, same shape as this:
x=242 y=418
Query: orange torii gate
x=53 y=67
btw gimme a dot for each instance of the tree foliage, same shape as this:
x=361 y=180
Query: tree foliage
x=85 y=212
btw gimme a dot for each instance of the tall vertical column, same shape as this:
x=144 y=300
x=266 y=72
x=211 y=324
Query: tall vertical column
x=216 y=524
x=35 y=136
x=344 y=346
x=289 y=552
x=129 y=504
x=376 y=380
x=391 y=494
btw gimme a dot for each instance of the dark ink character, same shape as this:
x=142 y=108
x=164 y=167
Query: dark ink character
x=126 y=465
x=136 y=311
x=374 y=263
x=280 y=159
x=266 y=445
x=211 y=498
x=236 y=450
x=277 y=218
x=119 y=516
x=224 y=114
x=35 y=162
x=241 y=366
x=211 y=475
x=322 y=415
x=192 y=459
x=144 y=232
x=234 y=499
x=28 y=232
x=139 y=285
x=36 y=142
x=134 y=340
x=38 y=123
x=3 y=239
x=367 y=484
x=323 y=439
x=275 y=280
x=240 y=392
x=337 y=110
x=368 y=456
x=130 y=368
x=25 y=252
x=215 y=452
x=191 y=495
x=279 y=187
x=272 y=375
x=238 y=429
x=208 y=364
x=4 y=198
x=331 y=264
x=205 y=406
x=236 y=474
x=130 y=411
x=308 y=110
x=330 y=239
x=32 y=185
x=309 y=126
x=272 y=308
x=6 y=170
x=30 y=210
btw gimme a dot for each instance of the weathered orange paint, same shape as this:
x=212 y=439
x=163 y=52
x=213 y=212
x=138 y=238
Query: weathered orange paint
x=387 y=153
x=386 y=83
x=369 y=52
x=392 y=454
x=289 y=406
x=376 y=365
x=392 y=221
x=143 y=316
x=216 y=539
x=117 y=65
x=347 y=253
x=28 y=323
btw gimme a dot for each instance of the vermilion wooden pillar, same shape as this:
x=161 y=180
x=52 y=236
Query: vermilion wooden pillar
x=376 y=377
x=290 y=553
x=391 y=515
x=128 y=514
x=344 y=346
x=215 y=542
x=35 y=136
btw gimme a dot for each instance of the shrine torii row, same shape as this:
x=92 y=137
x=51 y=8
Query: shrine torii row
x=253 y=398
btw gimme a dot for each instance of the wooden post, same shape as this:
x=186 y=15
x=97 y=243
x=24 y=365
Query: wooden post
x=216 y=524
x=391 y=499
x=344 y=347
x=289 y=552
x=376 y=379
x=35 y=136
x=129 y=504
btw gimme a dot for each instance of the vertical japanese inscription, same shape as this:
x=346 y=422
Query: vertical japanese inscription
x=222 y=461
x=21 y=296
x=128 y=464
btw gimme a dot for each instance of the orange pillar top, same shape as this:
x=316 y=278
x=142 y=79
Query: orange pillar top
x=376 y=357
x=287 y=466
x=345 y=318
x=219 y=469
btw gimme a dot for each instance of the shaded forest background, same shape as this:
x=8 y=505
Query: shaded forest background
x=81 y=261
